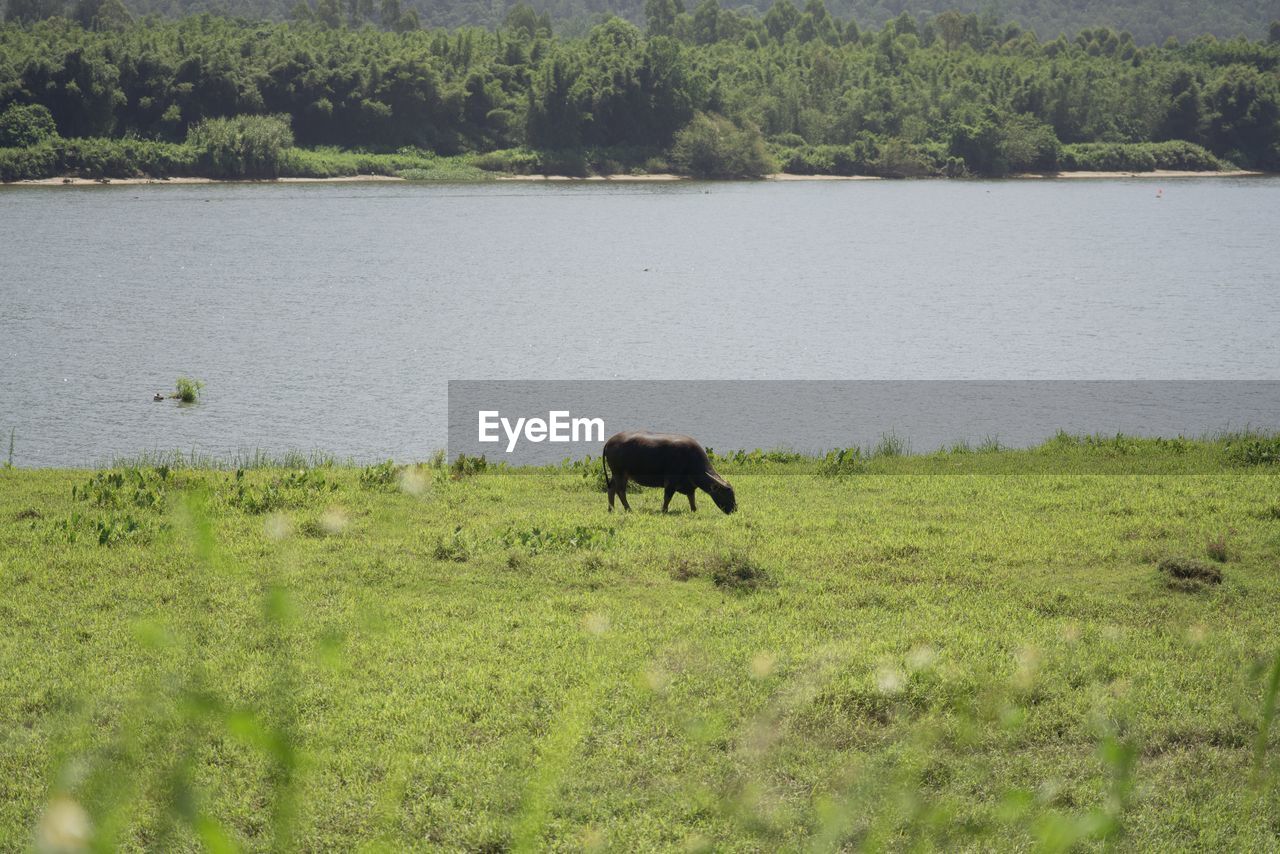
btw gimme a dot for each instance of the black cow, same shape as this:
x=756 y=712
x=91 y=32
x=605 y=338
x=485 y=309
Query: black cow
x=675 y=463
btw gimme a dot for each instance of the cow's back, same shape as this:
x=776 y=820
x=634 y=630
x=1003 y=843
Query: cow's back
x=652 y=459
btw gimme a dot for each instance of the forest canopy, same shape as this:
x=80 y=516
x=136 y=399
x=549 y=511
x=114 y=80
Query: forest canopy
x=950 y=94
x=1150 y=21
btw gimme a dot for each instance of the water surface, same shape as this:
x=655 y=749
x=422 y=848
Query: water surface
x=332 y=316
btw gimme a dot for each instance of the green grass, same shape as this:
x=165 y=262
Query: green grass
x=943 y=651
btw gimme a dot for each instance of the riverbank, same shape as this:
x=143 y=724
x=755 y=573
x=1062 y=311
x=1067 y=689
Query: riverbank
x=79 y=162
x=1156 y=173
x=409 y=653
x=619 y=179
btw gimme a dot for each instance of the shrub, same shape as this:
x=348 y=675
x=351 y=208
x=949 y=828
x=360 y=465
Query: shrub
x=896 y=158
x=1107 y=157
x=853 y=159
x=518 y=161
x=20 y=164
x=1178 y=154
x=711 y=146
x=242 y=146
x=25 y=125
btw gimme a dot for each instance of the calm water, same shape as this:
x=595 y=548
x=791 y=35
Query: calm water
x=332 y=316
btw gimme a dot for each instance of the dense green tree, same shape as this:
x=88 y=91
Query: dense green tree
x=782 y=18
x=712 y=146
x=660 y=16
x=25 y=125
x=960 y=93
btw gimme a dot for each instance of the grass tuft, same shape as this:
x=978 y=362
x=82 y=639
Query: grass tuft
x=1189 y=573
x=188 y=389
x=737 y=571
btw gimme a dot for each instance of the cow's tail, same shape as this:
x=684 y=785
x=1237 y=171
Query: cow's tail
x=604 y=466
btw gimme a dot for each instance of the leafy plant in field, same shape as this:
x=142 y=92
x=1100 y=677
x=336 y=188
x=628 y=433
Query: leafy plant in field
x=843 y=461
x=297 y=488
x=456 y=547
x=122 y=492
x=1254 y=451
x=381 y=477
x=537 y=540
x=465 y=466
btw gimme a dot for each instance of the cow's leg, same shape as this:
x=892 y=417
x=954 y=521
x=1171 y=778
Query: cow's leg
x=609 y=484
x=693 y=505
x=666 y=497
x=620 y=486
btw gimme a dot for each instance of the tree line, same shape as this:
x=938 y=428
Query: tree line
x=1150 y=21
x=947 y=94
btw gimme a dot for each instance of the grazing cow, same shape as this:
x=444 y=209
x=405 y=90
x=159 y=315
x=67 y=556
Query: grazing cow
x=675 y=463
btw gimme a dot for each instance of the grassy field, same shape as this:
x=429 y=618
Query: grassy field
x=905 y=652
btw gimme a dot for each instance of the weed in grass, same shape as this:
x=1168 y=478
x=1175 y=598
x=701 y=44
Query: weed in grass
x=28 y=513
x=1217 y=549
x=1187 y=573
x=1253 y=450
x=536 y=540
x=683 y=568
x=296 y=488
x=383 y=477
x=1270 y=701
x=990 y=445
x=188 y=390
x=843 y=461
x=891 y=445
x=465 y=466
x=456 y=547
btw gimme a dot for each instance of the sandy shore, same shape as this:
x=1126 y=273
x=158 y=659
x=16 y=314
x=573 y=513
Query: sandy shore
x=94 y=182
x=785 y=176
x=1159 y=173
x=657 y=177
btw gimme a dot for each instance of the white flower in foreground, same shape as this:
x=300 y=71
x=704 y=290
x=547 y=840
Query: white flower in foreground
x=921 y=658
x=890 y=679
x=596 y=623
x=277 y=527
x=64 y=827
x=334 y=520
x=412 y=481
x=762 y=664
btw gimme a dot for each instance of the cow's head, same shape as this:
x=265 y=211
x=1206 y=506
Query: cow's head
x=722 y=494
